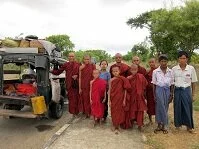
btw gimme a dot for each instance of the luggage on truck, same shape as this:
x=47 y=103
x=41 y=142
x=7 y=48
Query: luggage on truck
x=24 y=44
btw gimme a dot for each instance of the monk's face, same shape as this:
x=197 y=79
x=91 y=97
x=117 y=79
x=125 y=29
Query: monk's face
x=163 y=63
x=134 y=70
x=71 y=57
x=183 y=60
x=136 y=60
x=118 y=58
x=116 y=71
x=103 y=65
x=152 y=63
x=87 y=59
x=96 y=74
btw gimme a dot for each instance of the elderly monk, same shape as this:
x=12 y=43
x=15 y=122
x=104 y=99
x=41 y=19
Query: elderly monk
x=124 y=69
x=149 y=90
x=136 y=60
x=72 y=70
x=85 y=76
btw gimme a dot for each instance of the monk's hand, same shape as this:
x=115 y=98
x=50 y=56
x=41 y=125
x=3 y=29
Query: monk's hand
x=74 y=77
x=82 y=66
x=80 y=91
x=124 y=103
x=129 y=77
x=91 y=102
x=103 y=100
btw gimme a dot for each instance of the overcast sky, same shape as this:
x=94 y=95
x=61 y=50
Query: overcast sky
x=91 y=24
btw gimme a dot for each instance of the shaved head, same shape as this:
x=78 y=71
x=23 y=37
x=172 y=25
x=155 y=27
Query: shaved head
x=134 y=66
x=134 y=69
x=135 y=57
x=96 y=73
x=96 y=70
x=86 y=59
x=136 y=60
x=152 y=63
x=118 y=58
x=71 y=56
x=71 y=53
x=152 y=59
x=86 y=56
x=118 y=55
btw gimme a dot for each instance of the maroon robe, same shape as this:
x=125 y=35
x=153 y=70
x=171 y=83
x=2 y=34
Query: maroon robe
x=97 y=96
x=71 y=68
x=141 y=70
x=117 y=92
x=149 y=93
x=138 y=104
x=86 y=77
x=124 y=69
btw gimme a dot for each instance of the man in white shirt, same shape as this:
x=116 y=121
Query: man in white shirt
x=184 y=79
x=162 y=80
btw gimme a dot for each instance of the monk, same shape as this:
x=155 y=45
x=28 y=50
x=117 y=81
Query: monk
x=72 y=71
x=117 y=98
x=149 y=90
x=136 y=60
x=97 y=97
x=85 y=76
x=124 y=69
x=138 y=104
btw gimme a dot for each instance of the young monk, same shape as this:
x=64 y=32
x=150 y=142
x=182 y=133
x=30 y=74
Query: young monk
x=138 y=104
x=97 y=96
x=149 y=90
x=104 y=74
x=85 y=76
x=117 y=98
x=163 y=80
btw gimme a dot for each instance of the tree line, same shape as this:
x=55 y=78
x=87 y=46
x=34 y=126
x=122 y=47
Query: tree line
x=171 y=30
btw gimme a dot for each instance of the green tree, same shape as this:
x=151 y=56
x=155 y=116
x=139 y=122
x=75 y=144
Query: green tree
x=171 y=29
x=195 y=58
x=62 y=41
x=97 y=54
x=141 y=50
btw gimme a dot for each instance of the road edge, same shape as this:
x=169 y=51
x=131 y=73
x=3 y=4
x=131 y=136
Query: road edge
x=58 y=134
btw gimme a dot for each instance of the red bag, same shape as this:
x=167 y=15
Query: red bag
x=26 y=89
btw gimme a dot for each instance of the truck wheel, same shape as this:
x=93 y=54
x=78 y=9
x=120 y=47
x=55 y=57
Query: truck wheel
x=56 y=109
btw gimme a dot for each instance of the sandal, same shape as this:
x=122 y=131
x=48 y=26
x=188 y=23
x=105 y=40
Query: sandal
x=116 y=131
x=157 y=129
x=191 y=131
x=165 y=131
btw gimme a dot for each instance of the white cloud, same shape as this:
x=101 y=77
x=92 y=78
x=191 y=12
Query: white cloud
x=96 y=24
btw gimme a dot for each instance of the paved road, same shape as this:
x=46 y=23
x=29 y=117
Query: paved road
x=80 y=135
x=21 y=133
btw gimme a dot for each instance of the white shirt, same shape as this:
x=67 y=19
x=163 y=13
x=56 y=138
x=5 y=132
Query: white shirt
x=161 y=79
x=184 y=78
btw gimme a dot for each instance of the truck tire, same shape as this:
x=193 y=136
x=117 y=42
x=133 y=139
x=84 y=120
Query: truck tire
x=56 y=109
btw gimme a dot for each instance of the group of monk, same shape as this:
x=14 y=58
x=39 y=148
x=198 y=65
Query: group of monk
x=130 y=91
